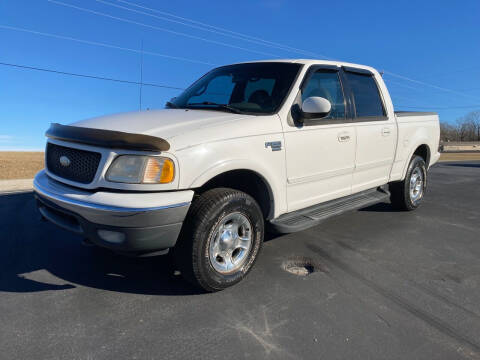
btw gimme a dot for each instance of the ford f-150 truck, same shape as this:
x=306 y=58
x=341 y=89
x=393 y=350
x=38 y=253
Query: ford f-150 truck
x=284 y=144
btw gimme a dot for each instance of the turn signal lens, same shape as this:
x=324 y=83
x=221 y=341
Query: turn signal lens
x=158 y=170
x=168 y=171
x=134 y=169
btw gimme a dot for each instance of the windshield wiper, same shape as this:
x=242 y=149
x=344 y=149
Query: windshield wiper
x=218 y=106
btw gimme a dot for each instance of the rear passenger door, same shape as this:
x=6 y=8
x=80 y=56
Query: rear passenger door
x=376 y=131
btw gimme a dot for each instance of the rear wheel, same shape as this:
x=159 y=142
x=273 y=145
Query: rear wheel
x=408 y=194
x=221 y=239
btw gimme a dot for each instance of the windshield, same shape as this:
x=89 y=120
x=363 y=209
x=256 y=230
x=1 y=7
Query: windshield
x=253 y=88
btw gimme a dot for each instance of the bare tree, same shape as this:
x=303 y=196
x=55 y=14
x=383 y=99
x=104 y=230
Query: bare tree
x=466 y=128
x=473 y=119
x=448 y=132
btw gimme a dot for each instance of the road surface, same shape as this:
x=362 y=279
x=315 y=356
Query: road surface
x=387 y=285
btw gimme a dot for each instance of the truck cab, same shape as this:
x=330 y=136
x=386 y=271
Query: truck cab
x=282 y=144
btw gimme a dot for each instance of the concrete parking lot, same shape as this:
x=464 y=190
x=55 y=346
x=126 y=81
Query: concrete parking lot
x=387 y=285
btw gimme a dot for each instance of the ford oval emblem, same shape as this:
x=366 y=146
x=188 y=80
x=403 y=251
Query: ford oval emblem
x=65 y=161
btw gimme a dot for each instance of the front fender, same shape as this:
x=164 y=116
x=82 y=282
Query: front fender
x=203 y=163
x=242 y=164
x=229 y=165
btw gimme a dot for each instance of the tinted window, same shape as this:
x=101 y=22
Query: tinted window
x=250 y=88
x=259 y=84
x=326 y=85
x=366 y=96
x=218 y=90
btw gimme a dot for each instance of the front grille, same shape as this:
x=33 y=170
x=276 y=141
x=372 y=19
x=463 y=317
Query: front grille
x=80 y=167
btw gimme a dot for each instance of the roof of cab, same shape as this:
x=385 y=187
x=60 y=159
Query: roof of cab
x=316 y=62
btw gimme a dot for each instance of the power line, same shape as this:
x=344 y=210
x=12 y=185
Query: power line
x=141 y=78
x=178 y=88
x=159 y=28
x=62 y=37
x=471 y=89
x=429 y=106
x=237 y=47
x=90 y=76
x=440 y=108
x=215 y=27
x=389 y=82
x=452 y=72
x=209 y=28
x=190 y=36
x=281 y=45
x=393 y=95
x=430 y=85
x=402 y=97
x=401 y=84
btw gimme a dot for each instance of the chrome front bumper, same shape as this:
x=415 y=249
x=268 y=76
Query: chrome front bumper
x=122 y=221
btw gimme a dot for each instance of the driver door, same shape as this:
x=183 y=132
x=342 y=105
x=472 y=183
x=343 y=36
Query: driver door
x=320 y=153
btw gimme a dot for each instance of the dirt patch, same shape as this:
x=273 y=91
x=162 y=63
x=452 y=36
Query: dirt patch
x=20 y=165
x=460 y=156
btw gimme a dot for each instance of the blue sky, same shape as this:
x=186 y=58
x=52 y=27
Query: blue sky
x=433 y=42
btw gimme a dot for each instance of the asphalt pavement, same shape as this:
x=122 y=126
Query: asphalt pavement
x=385 y=285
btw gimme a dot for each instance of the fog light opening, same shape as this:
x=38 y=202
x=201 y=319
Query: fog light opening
x=113 y=237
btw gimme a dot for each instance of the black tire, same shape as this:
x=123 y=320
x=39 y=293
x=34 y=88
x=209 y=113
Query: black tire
x=401 y=197
x=192 y=252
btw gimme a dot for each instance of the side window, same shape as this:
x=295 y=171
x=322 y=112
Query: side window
x=326 y=84
x=366 y=96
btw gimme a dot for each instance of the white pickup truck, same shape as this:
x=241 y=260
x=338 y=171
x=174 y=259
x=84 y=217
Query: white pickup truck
x=284 y=143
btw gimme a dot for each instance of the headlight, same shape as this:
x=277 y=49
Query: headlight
x=134 y=169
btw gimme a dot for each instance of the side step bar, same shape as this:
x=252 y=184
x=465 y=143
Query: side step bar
x=305 y=218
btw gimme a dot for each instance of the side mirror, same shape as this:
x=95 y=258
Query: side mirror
x=315 y=107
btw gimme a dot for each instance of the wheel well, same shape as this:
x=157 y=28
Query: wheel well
x=424 y=152
x=247 y=181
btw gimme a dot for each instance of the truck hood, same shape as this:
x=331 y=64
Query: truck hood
x=166 y=124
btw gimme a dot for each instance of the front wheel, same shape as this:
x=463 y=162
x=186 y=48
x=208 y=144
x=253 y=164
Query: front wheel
x=221 y=239
x=408 y=194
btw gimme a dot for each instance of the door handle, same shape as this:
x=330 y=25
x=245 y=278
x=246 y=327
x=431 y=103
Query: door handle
x=386 y=131
x=344 y=136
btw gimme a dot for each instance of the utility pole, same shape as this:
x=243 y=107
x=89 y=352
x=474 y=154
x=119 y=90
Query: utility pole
x=141 y=76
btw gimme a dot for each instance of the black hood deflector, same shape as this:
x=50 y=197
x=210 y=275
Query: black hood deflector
x=106 y=138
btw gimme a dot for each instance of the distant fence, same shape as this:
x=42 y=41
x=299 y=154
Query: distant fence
x=454 y=146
